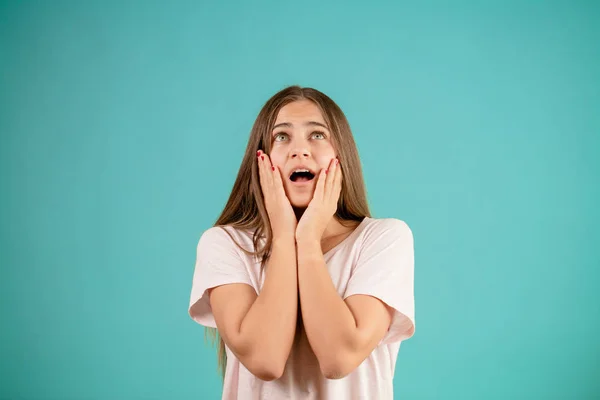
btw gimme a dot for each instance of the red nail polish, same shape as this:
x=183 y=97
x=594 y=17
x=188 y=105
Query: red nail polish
x=258 y=153
x=262 y=157
x=273 y=168
x=326 y=171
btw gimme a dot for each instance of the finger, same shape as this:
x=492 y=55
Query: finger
x=261 y=172
x=267 y=168
x=278 y=180
x=330 y=178
x=337 y=184
x=320 y=188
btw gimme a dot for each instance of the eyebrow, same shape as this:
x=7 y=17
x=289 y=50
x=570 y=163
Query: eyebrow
x=309 y=123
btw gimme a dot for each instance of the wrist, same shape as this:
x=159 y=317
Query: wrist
x=308 y=243
x=307 y=236
x=284 y=241
x=308 y=252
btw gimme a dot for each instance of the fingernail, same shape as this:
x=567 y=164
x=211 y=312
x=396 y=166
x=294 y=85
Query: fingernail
x=273 y=168
x=262 y=157
x=326 y=171
x=258 y=153
x=337 y=161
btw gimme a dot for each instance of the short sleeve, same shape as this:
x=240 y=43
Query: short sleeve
x=385 y=270
x=218 y=262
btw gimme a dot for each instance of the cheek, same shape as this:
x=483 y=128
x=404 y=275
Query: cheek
x=325 y=158
x=324 y=151
x=277 y=159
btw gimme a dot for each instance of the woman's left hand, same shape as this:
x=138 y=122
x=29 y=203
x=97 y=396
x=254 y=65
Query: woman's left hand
x=323 y=205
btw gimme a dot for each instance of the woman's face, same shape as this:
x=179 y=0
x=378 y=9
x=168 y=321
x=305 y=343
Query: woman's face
x=301 y=141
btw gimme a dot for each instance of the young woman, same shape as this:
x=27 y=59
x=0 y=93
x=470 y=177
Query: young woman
x=310 y=296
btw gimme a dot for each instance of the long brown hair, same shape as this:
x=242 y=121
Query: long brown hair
x=245 y=208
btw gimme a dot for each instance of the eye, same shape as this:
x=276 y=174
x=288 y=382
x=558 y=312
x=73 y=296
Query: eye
x=279 y=135
x=322 y=134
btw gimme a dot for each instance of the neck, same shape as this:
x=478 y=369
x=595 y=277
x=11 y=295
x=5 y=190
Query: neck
x=298 y=211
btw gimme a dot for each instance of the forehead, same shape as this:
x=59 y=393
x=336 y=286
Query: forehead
x=299 y=111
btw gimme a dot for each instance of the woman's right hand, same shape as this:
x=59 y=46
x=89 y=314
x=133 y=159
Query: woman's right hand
x=281 y=214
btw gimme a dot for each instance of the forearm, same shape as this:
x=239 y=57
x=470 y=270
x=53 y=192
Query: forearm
x=269 y=326
x=329 y=324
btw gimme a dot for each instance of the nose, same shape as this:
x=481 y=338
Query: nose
x=299 y=153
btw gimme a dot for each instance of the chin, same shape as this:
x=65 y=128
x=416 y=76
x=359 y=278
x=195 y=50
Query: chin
x=303 y=204
x=300 y=200
x=299 y=203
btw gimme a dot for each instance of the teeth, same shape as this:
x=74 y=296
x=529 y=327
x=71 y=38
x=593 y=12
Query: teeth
x=301 y=170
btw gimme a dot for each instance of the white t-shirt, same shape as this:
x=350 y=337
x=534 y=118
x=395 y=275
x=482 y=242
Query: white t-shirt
x=376 y=259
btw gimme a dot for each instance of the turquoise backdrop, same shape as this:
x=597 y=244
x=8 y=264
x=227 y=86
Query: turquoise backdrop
x=123 y=124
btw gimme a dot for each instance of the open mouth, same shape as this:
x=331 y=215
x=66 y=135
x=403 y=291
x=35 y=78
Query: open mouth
x=302 y=176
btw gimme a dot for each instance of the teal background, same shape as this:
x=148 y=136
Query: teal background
x=123 y=125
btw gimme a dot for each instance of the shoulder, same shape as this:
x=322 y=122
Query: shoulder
x=225 y=237
x=387 y=227
x=214 y=234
